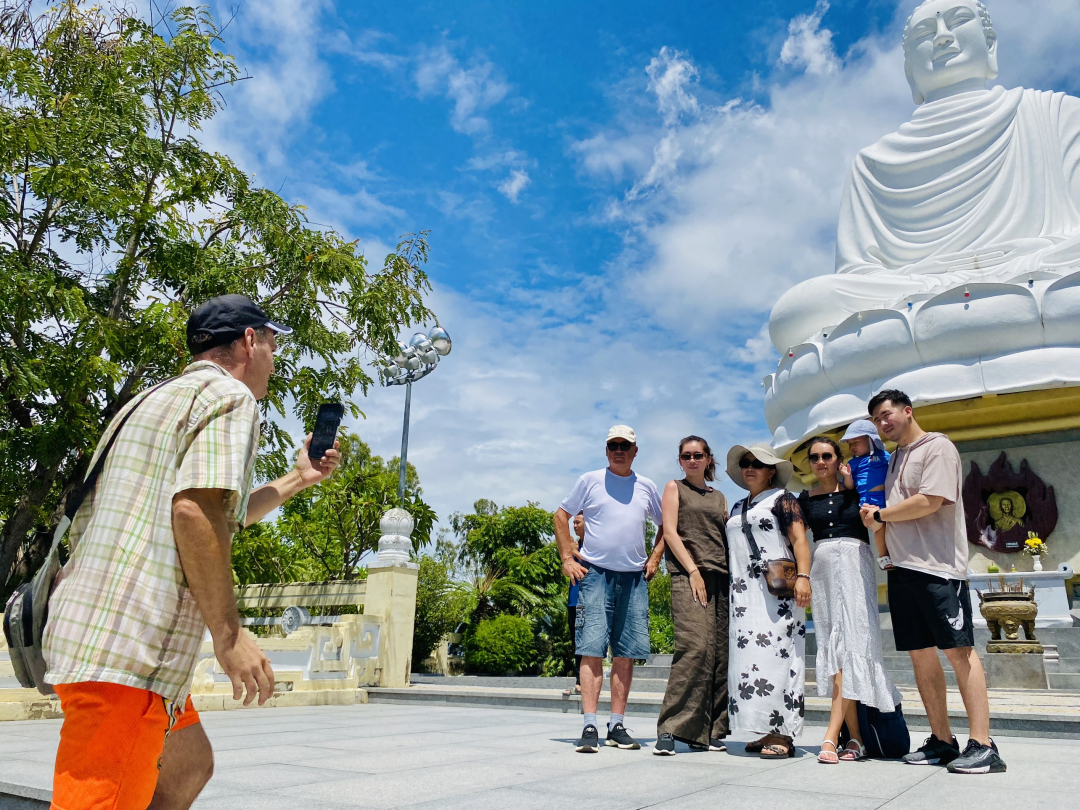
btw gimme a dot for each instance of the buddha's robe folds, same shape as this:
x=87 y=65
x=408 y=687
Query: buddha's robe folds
x=982 y=186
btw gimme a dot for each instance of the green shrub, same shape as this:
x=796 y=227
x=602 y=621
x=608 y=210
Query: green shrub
x=555 y=651
x=501 y=645
x=439 y=608
x=661 y=628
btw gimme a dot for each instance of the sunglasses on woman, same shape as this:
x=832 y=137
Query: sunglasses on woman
x=694 y=456
x=745 y=463
x=816 y=457
x=615 y=447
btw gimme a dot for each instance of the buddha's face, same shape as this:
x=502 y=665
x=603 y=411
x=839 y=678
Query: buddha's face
x=947 y=46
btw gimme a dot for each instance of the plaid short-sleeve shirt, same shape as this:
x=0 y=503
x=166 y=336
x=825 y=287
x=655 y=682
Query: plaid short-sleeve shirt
x=122 y=612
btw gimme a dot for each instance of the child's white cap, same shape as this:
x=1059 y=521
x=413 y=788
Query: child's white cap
x=864 y=427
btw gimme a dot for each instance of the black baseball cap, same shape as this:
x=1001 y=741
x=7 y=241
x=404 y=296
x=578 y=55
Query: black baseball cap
x=223 y=319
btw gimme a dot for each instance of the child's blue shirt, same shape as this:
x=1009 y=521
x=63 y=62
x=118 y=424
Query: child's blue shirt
x=869 y=472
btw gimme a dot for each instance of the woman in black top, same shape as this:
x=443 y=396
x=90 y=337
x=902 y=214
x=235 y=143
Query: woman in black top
x=849 y=658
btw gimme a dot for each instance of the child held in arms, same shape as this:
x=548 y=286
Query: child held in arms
x=866 y=472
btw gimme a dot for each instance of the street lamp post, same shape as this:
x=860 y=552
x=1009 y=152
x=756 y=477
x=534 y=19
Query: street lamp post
x=414 y=361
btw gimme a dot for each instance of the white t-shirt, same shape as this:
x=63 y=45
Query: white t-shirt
x=615 y=510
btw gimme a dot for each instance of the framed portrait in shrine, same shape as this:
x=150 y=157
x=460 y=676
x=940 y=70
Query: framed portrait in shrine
x=1003 y=506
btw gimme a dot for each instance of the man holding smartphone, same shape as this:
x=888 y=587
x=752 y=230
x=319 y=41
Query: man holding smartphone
x=613 y=600
x=151 y=570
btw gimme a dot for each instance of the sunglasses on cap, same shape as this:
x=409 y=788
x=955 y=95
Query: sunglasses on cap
x=745 y=463
x=615 y=447
x=816 y=457
x=694 y=456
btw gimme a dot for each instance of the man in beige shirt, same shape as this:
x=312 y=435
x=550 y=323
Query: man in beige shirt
x=928 y=589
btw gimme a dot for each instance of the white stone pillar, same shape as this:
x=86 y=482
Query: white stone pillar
x=391 y=595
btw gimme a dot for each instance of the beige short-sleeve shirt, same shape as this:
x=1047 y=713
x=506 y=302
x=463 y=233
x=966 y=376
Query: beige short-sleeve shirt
x=935 y=544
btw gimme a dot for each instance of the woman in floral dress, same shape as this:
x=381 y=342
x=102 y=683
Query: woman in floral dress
x=766 y=662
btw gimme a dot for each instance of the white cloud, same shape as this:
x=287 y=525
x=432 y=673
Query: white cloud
x=474 y=89
x=521 y=406
x=757 y=351
x=268 y=111
x=809 y=46
x=497 y=159
x=670 y=75
x=513 y=185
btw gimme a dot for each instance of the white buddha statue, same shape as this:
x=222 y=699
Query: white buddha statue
x=979 y=186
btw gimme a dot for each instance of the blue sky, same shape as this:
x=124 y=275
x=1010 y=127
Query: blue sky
x=616 y=194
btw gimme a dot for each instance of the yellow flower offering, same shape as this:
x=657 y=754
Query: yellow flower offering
x=1034 y=545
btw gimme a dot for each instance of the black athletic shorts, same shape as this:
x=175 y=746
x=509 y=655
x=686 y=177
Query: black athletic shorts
x=929 y=611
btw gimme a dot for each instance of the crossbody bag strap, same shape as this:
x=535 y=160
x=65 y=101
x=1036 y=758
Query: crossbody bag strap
x=75 y=500
x=755 y=552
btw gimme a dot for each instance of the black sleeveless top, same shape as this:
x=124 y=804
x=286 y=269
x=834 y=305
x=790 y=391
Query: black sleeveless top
x=834 y=514
x=702 y=521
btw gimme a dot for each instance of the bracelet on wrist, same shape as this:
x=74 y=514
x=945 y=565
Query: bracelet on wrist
x=806 y=576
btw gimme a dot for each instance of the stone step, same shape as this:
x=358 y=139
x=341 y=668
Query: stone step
x=1063 y=680
x=906 y=677
x=648 y=671
x=1013 y=712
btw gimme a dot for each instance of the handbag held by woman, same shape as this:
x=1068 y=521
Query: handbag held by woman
x=780 y=575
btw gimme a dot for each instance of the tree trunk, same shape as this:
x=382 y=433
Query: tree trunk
x=17 y=528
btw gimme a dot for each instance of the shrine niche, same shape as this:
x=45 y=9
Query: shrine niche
x=1002 y=506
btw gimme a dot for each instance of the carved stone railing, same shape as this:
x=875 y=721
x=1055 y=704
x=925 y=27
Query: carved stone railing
x=371 y=648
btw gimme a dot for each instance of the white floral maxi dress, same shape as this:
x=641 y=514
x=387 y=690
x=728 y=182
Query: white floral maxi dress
x=766 y=661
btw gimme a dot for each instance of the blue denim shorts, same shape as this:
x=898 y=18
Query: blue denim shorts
x=613 y=607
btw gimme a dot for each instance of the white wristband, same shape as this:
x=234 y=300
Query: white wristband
x=884 y=562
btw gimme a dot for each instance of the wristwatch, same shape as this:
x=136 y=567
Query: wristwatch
x=877 y=516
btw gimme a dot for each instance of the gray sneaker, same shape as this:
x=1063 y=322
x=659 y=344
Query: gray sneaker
x=978 y=758
x=665 y=745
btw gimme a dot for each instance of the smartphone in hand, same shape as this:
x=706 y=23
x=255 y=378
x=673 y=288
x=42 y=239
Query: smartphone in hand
x=326 y=427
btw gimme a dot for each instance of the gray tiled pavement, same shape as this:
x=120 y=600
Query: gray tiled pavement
x=385 y=756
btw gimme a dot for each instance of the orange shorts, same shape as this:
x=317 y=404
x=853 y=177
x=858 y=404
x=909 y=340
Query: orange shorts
x=110 y=746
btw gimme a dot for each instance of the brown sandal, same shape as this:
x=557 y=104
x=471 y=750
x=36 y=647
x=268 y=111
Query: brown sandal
x=782 y=749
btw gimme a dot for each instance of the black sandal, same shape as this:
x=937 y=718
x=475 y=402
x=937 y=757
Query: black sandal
x=782 y=749
x=756 y=746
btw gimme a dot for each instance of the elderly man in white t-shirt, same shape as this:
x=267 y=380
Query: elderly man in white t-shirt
x=613 y=601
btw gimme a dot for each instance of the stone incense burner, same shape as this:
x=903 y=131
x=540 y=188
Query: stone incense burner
x=1005 y=613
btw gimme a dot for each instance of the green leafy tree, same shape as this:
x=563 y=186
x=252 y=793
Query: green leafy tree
x=336 y=522
x=115 y=222
x=261 y=554
x=440 y=607
x=508 y=559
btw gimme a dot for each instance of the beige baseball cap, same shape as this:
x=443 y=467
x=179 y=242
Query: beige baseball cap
x=622 y=432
